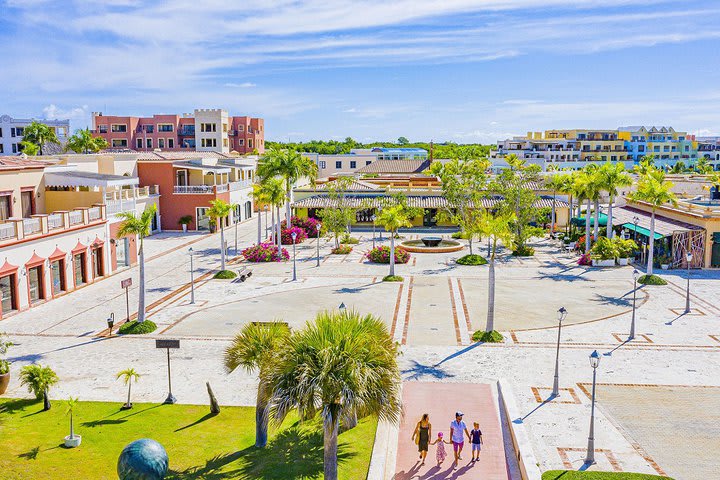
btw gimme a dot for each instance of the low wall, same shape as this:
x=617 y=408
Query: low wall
x=527 y=462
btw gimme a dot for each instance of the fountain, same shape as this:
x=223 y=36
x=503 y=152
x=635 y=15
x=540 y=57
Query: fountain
x=432 y=245
x=431 y=241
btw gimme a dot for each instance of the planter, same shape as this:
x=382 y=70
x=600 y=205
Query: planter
x=4 y=381
x=664 y=266
x=604 y=263
x=623 y=261
x=184 y=226
x=72 y=442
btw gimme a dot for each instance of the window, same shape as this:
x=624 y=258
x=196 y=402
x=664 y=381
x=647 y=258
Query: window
x=613 y=158
x=208 y=127
x=165 y=127
x=171 y=143
x=161 y=143
x=15 y=148
x=79 y=269
x=208 y=142
x=224 y=127
x=8 y=293
x=353 y=164
x=5 y=210
x=189 y=143
x=0 y=132
x=102 y=128
x=119 y=142
x=97 y=262
x=138 y=143
x=35 y=284
x=58 y=276
x=322 y=164
x=241 y=128
x=181 y=178
x=368 y=162
x=149 y=143
x=122 y=246
x=118 y=128
x=250 y=143
x=148 y=128
x=19 y=131
x=241 y=142
x=338 y=164
x=225 y=142
x=2 y=147
x=27 y=202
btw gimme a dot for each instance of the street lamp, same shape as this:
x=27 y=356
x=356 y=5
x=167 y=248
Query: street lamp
x=562 y=313
x=110 y=323
x=688 y=257
x=632 y=323
x=266 y=218
x=635 y=222
x=590 y=457
x=259 y=226
x=192 y=277
x=342 y=307
x=317 y=244
x=373 y=218
x=294 y=236
x=379 y=209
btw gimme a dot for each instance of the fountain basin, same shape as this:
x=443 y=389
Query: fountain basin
x=422 y=246
x=431 y=241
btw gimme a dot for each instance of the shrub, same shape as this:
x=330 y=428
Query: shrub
x=286 y=235
x=458 y=235
x=225 y=275
x=524 y=251
x=382 y=255
x=604 y=249
x=346 y=238
x=307 y=224
x=265 y=252
x=342 y=250
x=625 y=248
x=585 y=259
x=392 y=278
x=185 y=220
x=471 y=260
x=651 y=280
x=487 y=337
x=137 y=328
x=580 y=245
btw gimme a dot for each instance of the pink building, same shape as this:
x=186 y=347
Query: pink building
x=203 y=130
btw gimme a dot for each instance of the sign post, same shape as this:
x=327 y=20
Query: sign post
x=168 y=344
x=126 y=285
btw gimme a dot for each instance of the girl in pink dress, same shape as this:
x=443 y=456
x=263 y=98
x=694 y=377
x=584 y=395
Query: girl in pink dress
x=440 y=454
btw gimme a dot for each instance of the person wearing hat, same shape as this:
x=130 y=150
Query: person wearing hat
x=457 y=428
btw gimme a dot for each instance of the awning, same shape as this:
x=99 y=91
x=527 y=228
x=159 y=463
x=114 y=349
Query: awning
x=641 y=230
x=34 y=261
x=79 y=248
x=663 y=225
x=580 y=221
x=7 y=269
x=204 y=168
x=87 y=179
x=57 y=254
x=419 y=201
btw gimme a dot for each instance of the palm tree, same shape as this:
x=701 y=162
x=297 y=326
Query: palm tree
x=556 y=183
x=128 y=375
x=38 y=380
x=392 y=218
x=496 y=228
x=71 y=404
x=613 y=176
x=342 y=364
x=257 y=347
x=140 y=226
x=83 y=142
x=39 y=134
x=219 y=209
x=289 y=165
x=593 y=190
x=702 y=166
x=581 y=187
x=270 y=191
x=653 y=189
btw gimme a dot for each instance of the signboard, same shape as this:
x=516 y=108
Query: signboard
x=167 y=343
x=126 y=283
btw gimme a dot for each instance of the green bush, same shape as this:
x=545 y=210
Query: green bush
x=524 y=251
x=225 y=275
x=625 y=248
x=651 y=280
x=342 y=250
x=487 y=337
x=392 y=278
x=604 y=249
x=137 y=328
x=458 y=235
x=471 y=260
x=346 y=238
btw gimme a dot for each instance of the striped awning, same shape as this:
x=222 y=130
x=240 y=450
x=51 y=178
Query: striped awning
x=418 y=201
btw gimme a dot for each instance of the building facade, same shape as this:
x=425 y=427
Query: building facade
x=349 y=163
x=666 y=145
x=11 y=132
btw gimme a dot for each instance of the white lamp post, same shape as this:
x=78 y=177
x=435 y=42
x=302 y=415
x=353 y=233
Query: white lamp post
x=590 y=457
x=562 y=313
x=373 y=218
x=636 y=274
x=689 y=258
x=294 y=236
x=317 y=244
x=192 y=277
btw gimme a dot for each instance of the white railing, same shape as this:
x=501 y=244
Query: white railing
x=7 y=230
x=116 y=206
x=240 y=184
x=76 y=217
x=194 y=189
x=94 y=213
x=55 y=220
x=31 y=225
x=221 y=188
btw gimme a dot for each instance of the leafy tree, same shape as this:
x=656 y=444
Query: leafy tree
x=38 y=380
x=403 y=141
x=702 y=166
x=84 y=142
x=339 y=215
x=679 y=167
x=556 y=183
x=140 y=226
x=29 y=148
x=392 y=218
x=613 y=176
x=128 y=375
x=342 y=364
x=646 y=163
x=257 y=347
x=40 y=135
x=440 y=150
x=271 y=191
x=71 y=404
x=497 y=228
x=218 y=211
x=289 y=165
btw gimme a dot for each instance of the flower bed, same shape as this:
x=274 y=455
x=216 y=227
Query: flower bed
x=286 y=235
x=342 y=250
x=382 y=255
x=265 y=252
x=307 y=224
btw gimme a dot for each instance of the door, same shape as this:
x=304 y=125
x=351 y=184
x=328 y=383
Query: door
x=429 y=217
x=79 y=269
x=715 y=260
x=202 y=220
x=181 y=178
x=35 y=281
x=7 y=293
x=27 y=204
x=97 y=262
x=4 y=207
x=58 y=276
x=121 y=252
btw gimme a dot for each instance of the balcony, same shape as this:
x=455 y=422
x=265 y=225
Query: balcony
x=194 y=189
x=240 y=184
x=186 y=132
x=38 y=226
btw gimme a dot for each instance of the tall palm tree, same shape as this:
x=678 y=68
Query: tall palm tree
x=593 y=190
x=613 y=176
x=257 y=347
x=582 y=191
x=40 y=135
x=219 y=209
x=272 y=192
x=556 y=183
x=83 y=142
x=290 y=165
x=568 y=188
x=392 y=218
x=71 y=404
x=653 y=189
x=496 y=228
x=38 y=380
x=128 y=375
x=341 y=364
x=140 y=226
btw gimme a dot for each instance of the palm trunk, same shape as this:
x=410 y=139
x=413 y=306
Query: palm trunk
x=587 y=227
x=72 y=430
x=129 y=388
x=222 y=245
x=330 y=445
x=568 y=227
x=596 y=228
x=272 y=229
x=46 y=401
x=261 y=418
x=490 y=325
x=278 y=231
x=651 y=243
x=287 y=205
x=392 y=252
x=552 y=216
x=470 y=244
x=259 y=228
x=610 y=232
x=141 y=293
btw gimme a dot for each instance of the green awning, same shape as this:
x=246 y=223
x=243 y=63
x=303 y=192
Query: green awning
x=641 y=230
x=580 y=221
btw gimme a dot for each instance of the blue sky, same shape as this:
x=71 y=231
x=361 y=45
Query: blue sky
x=457 y=70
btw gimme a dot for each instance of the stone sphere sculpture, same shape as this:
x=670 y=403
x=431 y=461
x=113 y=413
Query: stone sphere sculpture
x=143 y=459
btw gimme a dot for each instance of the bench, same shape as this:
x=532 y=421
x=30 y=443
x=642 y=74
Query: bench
x=244 y=273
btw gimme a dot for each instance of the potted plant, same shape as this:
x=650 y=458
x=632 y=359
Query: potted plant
x=5 y=344
x=625 y=249
x=184 y=222
x=128 y=375
x=72 y=440
x=603 y=253
x=664 y=262
x=212 y=225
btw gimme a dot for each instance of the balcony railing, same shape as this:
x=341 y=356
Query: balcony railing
x=7 y=230
x=240 y=184
x=40 y=225
x=76 y=217
x=55 y=221
x=221 y=188
x=194 y=189
x=130 y=193
x=94 y=214
x=31 y=225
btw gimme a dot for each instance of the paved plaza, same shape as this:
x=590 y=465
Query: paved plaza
x=657 y=394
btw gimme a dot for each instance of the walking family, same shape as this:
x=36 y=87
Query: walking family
x=458 y=432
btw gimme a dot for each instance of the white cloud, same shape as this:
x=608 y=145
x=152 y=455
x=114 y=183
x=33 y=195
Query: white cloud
x=240 y=85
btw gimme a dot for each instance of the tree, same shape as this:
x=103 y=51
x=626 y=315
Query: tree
x=653 y=189
x=679 y=167
x=257 y=347
x=84 y=142
x=702 y=166
x=128 y=375
x=219 y=209
x=133 y=225
x=270 y=190
x=403 y=141
x=39 y=134
x=289 y=165
x=342 y=364
x=647 y=162
x=497 y=228
x=29 y=148
x=71 y=404
x=556 y=183
x=38 y=380
x=392 y=218
x=613 y=176
x=339 y=214
x=587 y=188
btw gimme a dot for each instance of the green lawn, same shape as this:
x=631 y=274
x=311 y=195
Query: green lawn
x=573 y=475
x=199 y=445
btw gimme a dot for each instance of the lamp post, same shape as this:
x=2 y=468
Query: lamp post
x=317 y=245
x=379 y=209
x=689 y=258
x=342 y=307
x=294 y=236
x=632 y=322
x=590 y=457
x=259 y=226
x=266 y=218
x=192 y=277
x=373 y=218
x=635 y=222
x=562 y=313
x=110 y=323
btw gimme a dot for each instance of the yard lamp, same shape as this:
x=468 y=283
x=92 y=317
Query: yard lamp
x=590 y=457
x=562 y=313
x=317 y=244
x=635 y=222
x=294 y=236
x=192 y=277
x=373 y=218
x=342 y=307
x=266 y=218
x=636 y=274
x=379 y=209
x=110 y=323
x=689 y=258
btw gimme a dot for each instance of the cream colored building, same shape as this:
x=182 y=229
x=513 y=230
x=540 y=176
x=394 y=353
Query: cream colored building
x=211 y=130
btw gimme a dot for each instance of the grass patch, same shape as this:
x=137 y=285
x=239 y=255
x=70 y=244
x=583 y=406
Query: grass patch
x=392 y=278
x=575 y=475
x=471 y=260
x=488 y=337
x=137 y=328
x=350 y=240
x=199 y=445
x=458 y=235
x=524 y=251
x=225 y=275
x=651 y=280
x=342 y=250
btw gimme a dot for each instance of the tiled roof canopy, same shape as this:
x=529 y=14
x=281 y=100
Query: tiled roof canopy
x=396 y=166
x=419 y=201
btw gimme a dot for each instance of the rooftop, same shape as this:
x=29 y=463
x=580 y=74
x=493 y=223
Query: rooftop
x=396 y=166
x=22 y=163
